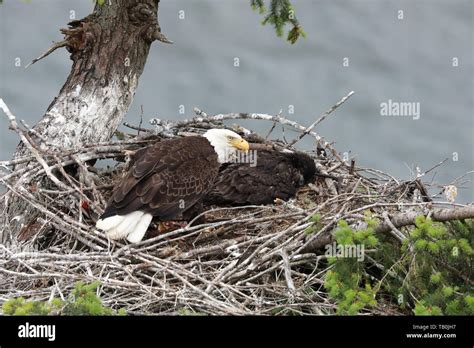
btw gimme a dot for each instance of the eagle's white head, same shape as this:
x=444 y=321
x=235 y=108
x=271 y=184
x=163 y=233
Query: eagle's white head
x=226 y=143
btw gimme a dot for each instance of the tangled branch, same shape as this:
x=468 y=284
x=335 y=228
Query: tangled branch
x=242 y=260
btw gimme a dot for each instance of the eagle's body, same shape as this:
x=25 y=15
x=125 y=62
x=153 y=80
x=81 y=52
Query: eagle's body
x=276 y=175
x=163 y=174
x=166 y=180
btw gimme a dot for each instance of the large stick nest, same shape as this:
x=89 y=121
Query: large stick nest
x=242 y=260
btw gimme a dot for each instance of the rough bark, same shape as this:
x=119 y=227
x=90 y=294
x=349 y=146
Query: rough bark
x=109 y=49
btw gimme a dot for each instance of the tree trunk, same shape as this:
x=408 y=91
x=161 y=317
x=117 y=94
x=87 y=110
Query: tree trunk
x=109 y=49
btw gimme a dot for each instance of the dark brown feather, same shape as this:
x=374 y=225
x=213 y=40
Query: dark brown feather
x=276 y=175
x=166 y=179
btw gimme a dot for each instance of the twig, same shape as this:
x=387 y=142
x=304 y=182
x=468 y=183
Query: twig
x=50 y=50
x=289 y=280
x=322 y=118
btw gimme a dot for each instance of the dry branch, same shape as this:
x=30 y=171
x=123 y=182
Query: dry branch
x=50 y=50
x=322 y=117
x=441 y=215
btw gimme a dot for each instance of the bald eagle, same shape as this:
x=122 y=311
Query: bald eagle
x=167 y=179
x=276 y=175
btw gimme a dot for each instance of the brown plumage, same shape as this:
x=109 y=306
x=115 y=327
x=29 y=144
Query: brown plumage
x=276 y=175
x=166 y=179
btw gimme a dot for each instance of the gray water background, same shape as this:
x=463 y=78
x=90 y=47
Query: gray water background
x=407 y=60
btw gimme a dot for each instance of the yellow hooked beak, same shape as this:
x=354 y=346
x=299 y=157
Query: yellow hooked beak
x=240 y=144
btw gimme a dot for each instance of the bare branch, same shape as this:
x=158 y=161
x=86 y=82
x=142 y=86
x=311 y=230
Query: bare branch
x=50 y=50
x=322 y=117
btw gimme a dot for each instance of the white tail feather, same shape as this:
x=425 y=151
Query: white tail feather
x=140 y=229
x=126 y=226
x=132 y=226
x=110 y=222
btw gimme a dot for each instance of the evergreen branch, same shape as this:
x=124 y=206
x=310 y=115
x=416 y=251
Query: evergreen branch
x=279 y=14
